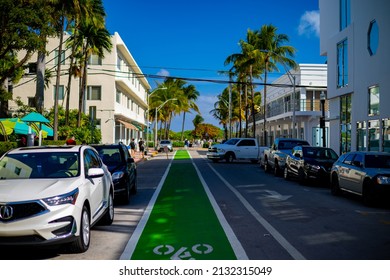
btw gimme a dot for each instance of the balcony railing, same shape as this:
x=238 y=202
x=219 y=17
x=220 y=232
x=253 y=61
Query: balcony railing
x=279 y=107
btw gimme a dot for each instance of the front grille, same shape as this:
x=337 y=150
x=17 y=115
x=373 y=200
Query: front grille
x=212 y=150
x=23 y=210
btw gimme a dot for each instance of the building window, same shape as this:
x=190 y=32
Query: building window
x=345 y=123
x=118 y=97
x=373 y=109
x=61 y=93
x=361 y=135
x=386 y=135
x=345 y=13
x=94 y=60
x=373 y=135
x=342 y=64
x=94 y=93
x=56 y=54
x=373 y=37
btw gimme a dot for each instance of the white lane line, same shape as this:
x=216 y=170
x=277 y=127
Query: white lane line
x=294 y=253
x=130 y=246
x=234 y=242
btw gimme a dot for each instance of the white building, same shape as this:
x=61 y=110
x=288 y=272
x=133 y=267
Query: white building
x=116 y=90
x=355 y=37
x=309 y=81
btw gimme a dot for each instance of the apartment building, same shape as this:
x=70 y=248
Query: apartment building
x=308 y=82
x=116 y=90
x=355 y=38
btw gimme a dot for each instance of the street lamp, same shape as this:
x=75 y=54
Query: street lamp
x=147 y=116
x=322 y=118
x=155 y=125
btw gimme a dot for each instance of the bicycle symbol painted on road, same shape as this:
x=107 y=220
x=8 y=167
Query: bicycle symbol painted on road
x=183 y=252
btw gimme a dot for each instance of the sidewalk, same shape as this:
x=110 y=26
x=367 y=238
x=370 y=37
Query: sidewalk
x=138 y=156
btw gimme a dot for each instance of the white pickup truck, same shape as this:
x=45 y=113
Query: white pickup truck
x=235 y=149
x=274 y=158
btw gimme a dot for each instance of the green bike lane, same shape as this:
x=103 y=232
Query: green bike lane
x=183 y=221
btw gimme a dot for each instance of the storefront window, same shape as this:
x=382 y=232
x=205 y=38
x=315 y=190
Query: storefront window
x=345 y=125
x=361 y=135
x=386 y=135
x=373 y=135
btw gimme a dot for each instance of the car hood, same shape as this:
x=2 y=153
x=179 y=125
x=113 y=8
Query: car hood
x=321 y=162
x=32 y=189
x=115 y=168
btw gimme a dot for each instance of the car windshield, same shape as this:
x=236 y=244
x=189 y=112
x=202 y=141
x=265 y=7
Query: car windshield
x=288 y=145
x=377 y=161
x=319 y=153
x=165 y=142
x=40 y=165
x=110 y=155
x=232 y=141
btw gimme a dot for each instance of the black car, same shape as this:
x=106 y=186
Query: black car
x=122 y=168
x=308 y=162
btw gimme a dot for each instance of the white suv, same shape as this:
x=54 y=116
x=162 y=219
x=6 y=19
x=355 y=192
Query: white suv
x=164 y=143
x=52 y=195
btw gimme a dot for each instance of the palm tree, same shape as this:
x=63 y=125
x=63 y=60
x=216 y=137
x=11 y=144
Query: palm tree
x=271 y=45
x=192 y=95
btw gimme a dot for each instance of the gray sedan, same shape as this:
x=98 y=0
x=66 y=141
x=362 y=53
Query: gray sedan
x=366 y=174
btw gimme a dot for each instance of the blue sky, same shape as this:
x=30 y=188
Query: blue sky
x=191 y=39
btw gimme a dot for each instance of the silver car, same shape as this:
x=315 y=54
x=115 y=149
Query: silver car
x=366 y=174
x=163 y=144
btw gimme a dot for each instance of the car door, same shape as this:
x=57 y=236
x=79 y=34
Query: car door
x=345 y=172
x=357 y=173
x=294 y=159
x=247 y=149
x=95 y=186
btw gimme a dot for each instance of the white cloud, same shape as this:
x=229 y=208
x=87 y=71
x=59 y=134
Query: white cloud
x=163 y=72
x=309 y=23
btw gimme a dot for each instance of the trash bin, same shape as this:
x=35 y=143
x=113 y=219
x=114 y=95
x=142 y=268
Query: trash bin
x=30 y=139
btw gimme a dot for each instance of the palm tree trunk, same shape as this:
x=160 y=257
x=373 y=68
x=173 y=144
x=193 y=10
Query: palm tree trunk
x=182 y=126
x=40 y=86
x=265 y=107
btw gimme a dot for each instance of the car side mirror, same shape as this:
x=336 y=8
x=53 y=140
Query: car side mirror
x=357 y=163
x=297 y=155
x=95 y=172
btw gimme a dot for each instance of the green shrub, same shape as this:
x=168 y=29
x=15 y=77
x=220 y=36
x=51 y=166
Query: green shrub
x=6 y=146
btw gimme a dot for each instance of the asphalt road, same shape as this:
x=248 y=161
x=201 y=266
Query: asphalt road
x=272 y=218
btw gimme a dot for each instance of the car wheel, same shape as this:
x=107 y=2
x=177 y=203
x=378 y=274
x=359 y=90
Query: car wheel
x=229 y=157
x=302 y=177
x=134 y=187
x=276 y=169
x=368 y=194
x=81 y=244
x=266 y=167
x=286 y=174
x=334 y=186
x=108 y=217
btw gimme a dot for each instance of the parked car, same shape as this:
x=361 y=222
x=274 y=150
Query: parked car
x=366 y=174
x=122 y=168
x=308 y=162
x=164 y=143
x=53 y=195
x=235 y=149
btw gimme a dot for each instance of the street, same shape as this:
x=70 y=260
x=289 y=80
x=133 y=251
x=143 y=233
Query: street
x=272 y=218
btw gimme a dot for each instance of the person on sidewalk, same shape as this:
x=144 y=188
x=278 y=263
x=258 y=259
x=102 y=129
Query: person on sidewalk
x=141 y=145
x=132 y=147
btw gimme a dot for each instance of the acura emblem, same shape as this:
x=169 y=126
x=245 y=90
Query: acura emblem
x=6 y=212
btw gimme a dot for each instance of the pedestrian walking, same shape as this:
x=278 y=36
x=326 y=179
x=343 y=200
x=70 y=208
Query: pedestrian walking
x=132 y=147
x=141 y=145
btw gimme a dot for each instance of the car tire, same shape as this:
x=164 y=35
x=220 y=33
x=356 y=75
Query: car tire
x=134 y=187
x=302 y=177
x=334 y=186
x=229 y=157
x=276 y=169
x=286 y=174
x=108 y=217
x=368 y=194
x=81 y=244
x=266 y=167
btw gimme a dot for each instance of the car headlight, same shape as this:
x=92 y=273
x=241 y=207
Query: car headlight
x=383 y=180
x=117 y=175
x=220 y=150
x=68 y=198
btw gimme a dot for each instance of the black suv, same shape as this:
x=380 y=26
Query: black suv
x=122 y=168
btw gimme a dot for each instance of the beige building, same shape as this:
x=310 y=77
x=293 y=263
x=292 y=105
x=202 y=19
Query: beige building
x=116 y=91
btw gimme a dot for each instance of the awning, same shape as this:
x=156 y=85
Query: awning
x=128 y=125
